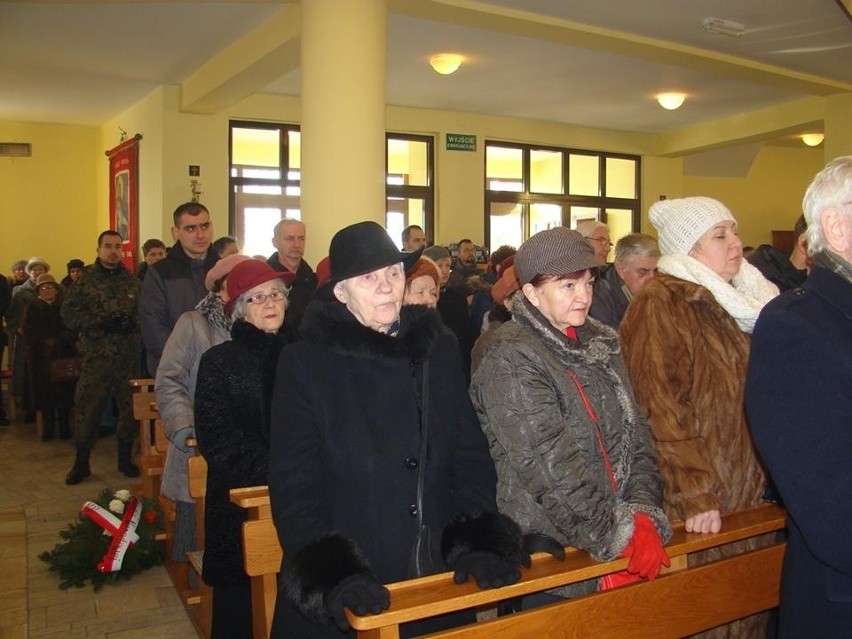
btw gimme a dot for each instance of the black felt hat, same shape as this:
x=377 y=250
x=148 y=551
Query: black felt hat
x=363 y=247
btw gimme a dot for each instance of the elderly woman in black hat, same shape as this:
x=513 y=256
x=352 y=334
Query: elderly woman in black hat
x=574 y=454
x=232 y=394
x=378 y=469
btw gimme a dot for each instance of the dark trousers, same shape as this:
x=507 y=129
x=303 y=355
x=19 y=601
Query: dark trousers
x=231 y=612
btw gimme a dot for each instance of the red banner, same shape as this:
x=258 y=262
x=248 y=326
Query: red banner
x=124 y=197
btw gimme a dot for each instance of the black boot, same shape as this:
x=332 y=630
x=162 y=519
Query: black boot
x=48 y=423
x=125 y=463
x=64 y=427
x=81 y=468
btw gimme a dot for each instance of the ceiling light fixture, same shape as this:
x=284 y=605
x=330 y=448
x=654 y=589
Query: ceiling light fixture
x=671 y=101
x=723 y=27
x=445 y=63
x=813 y=139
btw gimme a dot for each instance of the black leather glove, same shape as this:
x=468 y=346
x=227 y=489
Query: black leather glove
x=489 y=570
x=361 y=593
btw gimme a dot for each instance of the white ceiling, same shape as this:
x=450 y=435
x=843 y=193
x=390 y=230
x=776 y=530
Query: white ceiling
x=84 y=63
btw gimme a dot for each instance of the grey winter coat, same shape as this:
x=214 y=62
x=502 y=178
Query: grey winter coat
x=175 y=390
x=552 y=477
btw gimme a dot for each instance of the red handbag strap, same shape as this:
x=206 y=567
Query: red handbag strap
x=594 y=418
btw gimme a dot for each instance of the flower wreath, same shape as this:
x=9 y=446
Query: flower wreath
x=113 y=540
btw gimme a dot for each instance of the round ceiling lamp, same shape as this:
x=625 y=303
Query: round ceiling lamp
x=671 y=101
x=445 y=63
x=813 y=139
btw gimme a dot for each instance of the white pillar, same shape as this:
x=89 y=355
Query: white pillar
x=344 y=48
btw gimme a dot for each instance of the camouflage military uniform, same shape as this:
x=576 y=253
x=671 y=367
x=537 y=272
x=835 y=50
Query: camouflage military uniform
x=102 y=308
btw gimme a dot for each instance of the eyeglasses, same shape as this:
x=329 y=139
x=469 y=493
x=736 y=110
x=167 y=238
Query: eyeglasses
x=259 y=298
x=602 y=240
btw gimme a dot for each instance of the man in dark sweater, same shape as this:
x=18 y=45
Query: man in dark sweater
x=175 y=284
x=289 y=239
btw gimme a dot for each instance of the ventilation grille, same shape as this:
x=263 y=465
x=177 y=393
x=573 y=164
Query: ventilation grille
x=16 y=149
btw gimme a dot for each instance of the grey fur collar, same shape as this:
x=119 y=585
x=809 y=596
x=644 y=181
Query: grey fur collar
x=597 y=342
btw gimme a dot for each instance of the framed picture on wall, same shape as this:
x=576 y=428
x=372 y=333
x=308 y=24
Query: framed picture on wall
x=124 y=197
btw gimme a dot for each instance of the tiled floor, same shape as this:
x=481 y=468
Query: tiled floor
x=35 y=504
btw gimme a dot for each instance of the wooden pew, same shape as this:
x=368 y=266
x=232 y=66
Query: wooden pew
x=201 y=601
x=151 y=461
x=681 y=602
x=262 y=555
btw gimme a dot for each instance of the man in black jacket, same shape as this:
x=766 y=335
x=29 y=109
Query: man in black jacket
x=785 y=271
x=175 y=284
x=288 y=238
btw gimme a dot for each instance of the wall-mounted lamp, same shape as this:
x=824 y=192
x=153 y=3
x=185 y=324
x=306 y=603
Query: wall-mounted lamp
x=813 y=139
x=445 y=63
x=671 y=101
x=723 y=27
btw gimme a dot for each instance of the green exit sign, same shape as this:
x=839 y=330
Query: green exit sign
x=459 y=142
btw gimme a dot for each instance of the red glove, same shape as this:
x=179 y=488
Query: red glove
x=645 y=549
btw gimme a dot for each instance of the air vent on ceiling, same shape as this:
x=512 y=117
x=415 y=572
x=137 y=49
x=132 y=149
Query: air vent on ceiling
x=16 y=149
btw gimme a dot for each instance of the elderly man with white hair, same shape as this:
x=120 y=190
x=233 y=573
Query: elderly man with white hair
x=636 y=257
x=799 y=400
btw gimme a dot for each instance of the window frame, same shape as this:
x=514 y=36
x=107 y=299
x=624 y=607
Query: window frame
x=527 y=197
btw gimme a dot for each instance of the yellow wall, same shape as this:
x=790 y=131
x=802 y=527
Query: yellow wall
x=74 y=165
x=48 y=202
x=145 y=118
x=770 y=196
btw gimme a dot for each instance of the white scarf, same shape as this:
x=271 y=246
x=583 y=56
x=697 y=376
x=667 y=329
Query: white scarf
x=743 y=298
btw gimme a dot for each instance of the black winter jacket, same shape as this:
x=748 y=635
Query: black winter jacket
x=301 y=290
x=346 y=454
x=232 y=427
x=171 y=287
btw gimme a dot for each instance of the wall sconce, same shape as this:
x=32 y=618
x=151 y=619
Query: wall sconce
x=671 y=101
x=445 y=63
x=813 y=139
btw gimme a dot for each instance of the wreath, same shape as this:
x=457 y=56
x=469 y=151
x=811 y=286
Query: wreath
x=113 y=539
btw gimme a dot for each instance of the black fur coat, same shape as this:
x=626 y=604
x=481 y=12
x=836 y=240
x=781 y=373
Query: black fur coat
x=346 y=454
x=232 y=427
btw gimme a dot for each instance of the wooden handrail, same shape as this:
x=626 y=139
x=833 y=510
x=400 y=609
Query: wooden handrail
x=438 y=594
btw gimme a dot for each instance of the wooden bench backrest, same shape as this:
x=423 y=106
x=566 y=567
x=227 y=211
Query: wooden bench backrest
x=682 y=602
x=197 y=484
x=161 y=442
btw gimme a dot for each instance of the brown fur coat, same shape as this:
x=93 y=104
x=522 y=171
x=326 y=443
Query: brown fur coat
x=687 y=361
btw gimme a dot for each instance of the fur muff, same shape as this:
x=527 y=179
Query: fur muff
x=493 y=533
x=309 y=577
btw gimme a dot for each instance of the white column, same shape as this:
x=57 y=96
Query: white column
x=344 y=47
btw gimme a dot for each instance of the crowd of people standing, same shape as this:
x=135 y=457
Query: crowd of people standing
x=413 y=411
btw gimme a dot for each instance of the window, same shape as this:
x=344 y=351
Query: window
x=410 y=191
x=532 y=188
x=265 y=182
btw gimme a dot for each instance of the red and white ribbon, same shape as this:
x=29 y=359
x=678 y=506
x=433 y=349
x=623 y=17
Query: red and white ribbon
x=123 y=531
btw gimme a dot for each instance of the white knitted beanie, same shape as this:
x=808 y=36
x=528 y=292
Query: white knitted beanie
x=681 y=221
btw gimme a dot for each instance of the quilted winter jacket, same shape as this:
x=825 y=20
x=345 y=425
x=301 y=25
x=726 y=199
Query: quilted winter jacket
x=175 y=391
x=552 y=477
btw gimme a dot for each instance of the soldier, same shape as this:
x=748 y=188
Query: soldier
x=103 y=308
